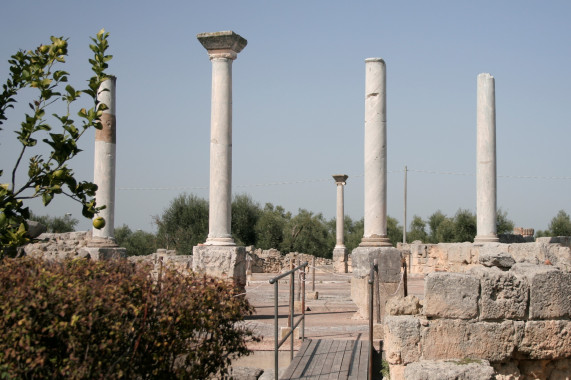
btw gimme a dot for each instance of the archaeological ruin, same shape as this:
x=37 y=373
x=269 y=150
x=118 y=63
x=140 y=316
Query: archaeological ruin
x=497 y=308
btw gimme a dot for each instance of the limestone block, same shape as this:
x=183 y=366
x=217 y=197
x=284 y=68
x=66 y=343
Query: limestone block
x=245 y=373
x=401 y=339
x=389 y=261
x=460 y=253
x=409 y=305
x=451 y=295
x=419 y=250
x=496 y=259
x=559 y=256
x=340 y=259
x=312 y=295
x=35 y=229
x=360 y=296
x=546 y=340
x=545 y=369
x=396 y=372
x=533 y=253
x=449 y=370
x=503 y=295
x=458 y=339
x=549 y=290
x=221 y=261
x=563 y=240
x=507 y=370
x=285 y=330
x=100 y=253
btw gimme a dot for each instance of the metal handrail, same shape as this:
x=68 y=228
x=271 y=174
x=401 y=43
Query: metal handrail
x=275 y=281
x=374 y=268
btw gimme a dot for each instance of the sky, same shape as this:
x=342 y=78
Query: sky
x=298 y=100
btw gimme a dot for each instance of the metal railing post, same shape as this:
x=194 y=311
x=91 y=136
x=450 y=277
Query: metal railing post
x=313 y=274
x=291 y=324
x=404 y=279
x=298 y=295
x=371 y=305
x=303 y=305
x=276 y=334
x=291 y=305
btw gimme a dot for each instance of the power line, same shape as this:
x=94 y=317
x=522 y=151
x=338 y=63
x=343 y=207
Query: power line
x=315 y=180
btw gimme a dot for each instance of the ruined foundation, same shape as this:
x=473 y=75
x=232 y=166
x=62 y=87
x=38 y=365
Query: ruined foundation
x=340 y=258
x=227 y=262
x=499 y=319
x=389 y=273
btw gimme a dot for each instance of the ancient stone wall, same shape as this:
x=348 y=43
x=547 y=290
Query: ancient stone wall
x=60 y=246
x=272 y=261
x=497 y=322
x=460 y=257
x=51 y=246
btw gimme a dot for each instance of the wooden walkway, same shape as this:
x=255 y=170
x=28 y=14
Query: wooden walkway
x=330 y=359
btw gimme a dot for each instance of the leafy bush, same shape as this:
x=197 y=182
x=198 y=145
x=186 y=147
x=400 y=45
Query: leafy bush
x=47 y=175
x=136 y=243
x=56 y=224
x=183 y=224
x=81 y=319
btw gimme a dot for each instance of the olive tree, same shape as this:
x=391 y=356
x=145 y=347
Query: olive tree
x=47 y=175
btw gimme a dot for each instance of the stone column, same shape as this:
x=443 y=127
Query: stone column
x=486 y=160
x=104 y=162
x=375 y=234
x=340 y=253
x=102 y=246
x=219 y=256
x=223 y=49
x=375 y=243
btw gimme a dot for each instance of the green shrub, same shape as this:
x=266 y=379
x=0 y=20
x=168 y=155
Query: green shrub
x=81 y=319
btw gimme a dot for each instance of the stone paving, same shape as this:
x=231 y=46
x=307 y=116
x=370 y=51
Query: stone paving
x=331 y=316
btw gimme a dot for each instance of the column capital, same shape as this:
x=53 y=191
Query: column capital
x=340 y=179
x=225 y=45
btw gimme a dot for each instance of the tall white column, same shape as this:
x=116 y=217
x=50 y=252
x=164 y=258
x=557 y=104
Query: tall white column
x=340 y=180
x=223 y=49
x=104 y=161
x=375 y=234
x=486 y=189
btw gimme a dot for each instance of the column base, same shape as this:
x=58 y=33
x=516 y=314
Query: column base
x=220 y=241
x=227 y=262
x=102 y=253
x=389 y=261
x=340 y=258
x=375 y=241
x=486 y=239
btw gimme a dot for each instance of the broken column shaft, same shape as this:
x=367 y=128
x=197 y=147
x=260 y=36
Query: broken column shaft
x=104 y=160
x=486 y=189
x=375 y=233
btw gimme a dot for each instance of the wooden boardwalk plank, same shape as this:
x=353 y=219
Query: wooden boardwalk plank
x=356 y=356
x=300 y=360
x=329 y=360
x=364 y=361
x=347 y=358
x=337 y=360
x=317 y=362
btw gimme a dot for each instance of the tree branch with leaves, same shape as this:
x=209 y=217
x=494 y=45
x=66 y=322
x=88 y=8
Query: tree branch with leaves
x=48 y=175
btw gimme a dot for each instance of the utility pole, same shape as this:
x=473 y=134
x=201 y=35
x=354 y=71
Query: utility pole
x=404 y=224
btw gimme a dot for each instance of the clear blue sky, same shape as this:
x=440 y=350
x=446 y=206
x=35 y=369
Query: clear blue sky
x=299 y=99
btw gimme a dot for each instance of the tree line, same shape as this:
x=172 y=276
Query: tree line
x=184 y=224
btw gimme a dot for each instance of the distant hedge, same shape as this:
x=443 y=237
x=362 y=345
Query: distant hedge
x=87 y=320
